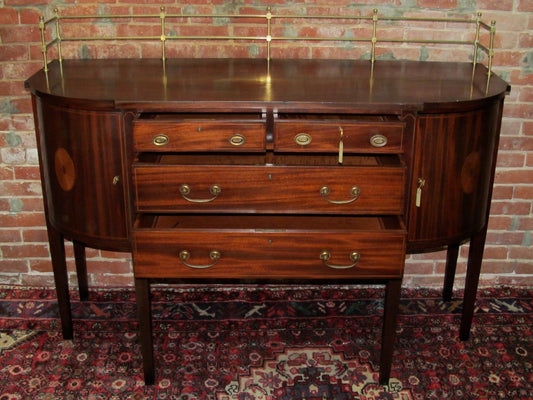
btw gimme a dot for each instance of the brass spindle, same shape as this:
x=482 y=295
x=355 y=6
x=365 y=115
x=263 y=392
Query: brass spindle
x=269 y=31
x=42 y=28
x=162 y=16
x=58 y=37
x=374 y=35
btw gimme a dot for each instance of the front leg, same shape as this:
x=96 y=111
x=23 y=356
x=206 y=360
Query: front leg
x=142 y=293
x=475 y=257
x=392 y=302
x=81 y=270
x=59 y=266
x=449 y=273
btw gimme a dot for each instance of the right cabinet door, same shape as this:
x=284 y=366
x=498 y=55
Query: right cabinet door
x=452 y=175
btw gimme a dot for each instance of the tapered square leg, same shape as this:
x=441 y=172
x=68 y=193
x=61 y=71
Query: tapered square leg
x=475 y=257
x=81 y=270
x=392 y=302
x=59 y=266
x=142 y=293
x=449 y=273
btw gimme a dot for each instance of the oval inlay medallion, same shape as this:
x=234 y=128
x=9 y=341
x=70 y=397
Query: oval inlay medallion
x=65 y=171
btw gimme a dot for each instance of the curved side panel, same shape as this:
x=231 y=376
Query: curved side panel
x=451 y=180
x=82 y=173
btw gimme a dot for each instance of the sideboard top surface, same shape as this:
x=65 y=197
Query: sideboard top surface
x=258 y=84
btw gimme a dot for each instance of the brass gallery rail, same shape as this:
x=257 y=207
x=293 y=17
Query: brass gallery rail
x=55 y=36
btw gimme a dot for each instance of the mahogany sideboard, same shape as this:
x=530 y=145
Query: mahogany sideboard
x=294 y=170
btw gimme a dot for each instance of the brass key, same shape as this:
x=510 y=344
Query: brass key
x=421 y=182
x=341 y=145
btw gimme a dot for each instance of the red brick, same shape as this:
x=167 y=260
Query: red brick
x=8 y=16
x=525 y=40
x=510 y=208
x=497 y=267
x=525 y=5
x=495 y=253
x=510 y=159
x=505 y=238
x=109 y=267
x=38 y=235
x=419 y=268
x=41 y=266
x=27 y=173
x=22 y=220
x=515 y=176
x=29 y=16
x=500 y=222
x=500 y=192
x=523 y=192
x=6 y=173
x=527 y=128
x=10 y=235
x=24 y=251
x=515 y=280
x=13 y=266
x=18 y=188
x=25 y=2
x=502 y=5
x=519 y=143
x=525 y=223
x=522 y=252
x=19 y=104
x=115 y=255
x=112 y=280
x=444 y=4
x=526 y=268
x=20 y=34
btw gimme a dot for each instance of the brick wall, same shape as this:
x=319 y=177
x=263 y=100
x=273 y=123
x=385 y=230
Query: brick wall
x=24 y=257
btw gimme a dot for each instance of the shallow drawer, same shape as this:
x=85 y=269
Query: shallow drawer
x=372 y=135
x=377 y=189
x=213 y=132
x=192 y=246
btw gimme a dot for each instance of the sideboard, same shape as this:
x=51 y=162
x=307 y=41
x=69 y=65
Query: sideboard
x=302 y=170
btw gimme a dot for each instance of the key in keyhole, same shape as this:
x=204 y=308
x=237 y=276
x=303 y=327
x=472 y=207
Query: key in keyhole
x=421 y=182
x=341 y=145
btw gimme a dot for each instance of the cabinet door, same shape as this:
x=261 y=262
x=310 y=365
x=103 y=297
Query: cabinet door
x=82 y=172
x=452 y=175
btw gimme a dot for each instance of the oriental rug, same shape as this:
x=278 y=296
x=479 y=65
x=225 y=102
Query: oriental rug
x=266 y=342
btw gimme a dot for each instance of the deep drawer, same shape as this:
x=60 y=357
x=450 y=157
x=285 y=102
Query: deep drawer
x=373 y=135
x=210 y=132
x=192 y=246
x=377 y=189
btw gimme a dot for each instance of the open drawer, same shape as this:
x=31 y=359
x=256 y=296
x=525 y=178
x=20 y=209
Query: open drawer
x=366 y=185
x=268 y=246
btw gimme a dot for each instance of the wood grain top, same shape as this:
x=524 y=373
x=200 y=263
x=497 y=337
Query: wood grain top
x=252 y=84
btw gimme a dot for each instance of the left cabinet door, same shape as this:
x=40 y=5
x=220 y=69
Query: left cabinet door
x=83 y=174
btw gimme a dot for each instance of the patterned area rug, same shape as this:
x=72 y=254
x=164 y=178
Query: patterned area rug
x=267 y=342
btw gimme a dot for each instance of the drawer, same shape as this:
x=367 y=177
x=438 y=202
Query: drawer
x=364 y=189
x=248 y=247
x=363 y=135
x=199 y=132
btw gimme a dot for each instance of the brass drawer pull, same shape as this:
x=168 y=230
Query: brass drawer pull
x=354 y=191
x=354 y=257
x=160 y=140
x=237 y=139
x=185 y=189
x=213 y=255
x=302 y=139
x=378 y=140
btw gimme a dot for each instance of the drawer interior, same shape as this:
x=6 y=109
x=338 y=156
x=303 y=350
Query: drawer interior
x=337 y=118
x=267 y=159
x=268 y=223
x=190 y=117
